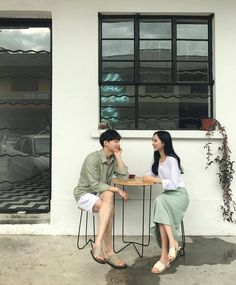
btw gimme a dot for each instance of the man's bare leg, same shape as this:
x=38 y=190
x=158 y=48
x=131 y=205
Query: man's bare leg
x=108 y=237
x=105 y=209
x=108 y=250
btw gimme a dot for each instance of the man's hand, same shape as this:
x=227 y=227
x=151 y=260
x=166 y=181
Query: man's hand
x=118 y=152
x=123 y=194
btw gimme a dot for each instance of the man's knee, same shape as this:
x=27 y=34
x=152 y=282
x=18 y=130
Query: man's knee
x=107 y=196
x=97 y=206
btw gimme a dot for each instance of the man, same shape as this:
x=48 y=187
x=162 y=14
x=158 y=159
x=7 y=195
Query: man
x=94 y=193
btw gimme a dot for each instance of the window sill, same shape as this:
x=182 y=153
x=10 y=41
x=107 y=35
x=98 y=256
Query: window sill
x=147 y=134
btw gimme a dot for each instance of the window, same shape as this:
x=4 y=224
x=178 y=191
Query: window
x=25 y=115
x=19 y=144
x=27 y=147
x=155 y=72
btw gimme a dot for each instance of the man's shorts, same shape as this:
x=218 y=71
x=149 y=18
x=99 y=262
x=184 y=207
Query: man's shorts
x=87 y=201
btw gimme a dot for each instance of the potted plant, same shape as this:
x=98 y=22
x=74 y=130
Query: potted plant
x=225 y=170
x=207 y=123
x=104 y=125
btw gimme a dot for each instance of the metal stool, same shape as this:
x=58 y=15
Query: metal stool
x=86 y=240
x=182 y=250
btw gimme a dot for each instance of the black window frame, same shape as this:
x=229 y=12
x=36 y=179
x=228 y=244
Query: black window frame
x=136 y=82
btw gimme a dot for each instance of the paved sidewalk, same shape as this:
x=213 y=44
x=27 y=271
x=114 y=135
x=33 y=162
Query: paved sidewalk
x=55 y=260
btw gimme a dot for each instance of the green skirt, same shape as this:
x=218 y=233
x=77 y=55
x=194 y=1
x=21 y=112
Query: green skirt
x=169 y=209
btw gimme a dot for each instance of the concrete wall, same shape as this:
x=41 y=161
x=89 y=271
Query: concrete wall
x=75 y=109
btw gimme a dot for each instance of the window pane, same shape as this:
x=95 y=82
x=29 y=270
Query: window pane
x=192 y=71
x=117 y=71
x=192 y=31
x=41 y=145
x=172 y=107
x=117 y=28
x=155 y=50
x=155 y=29
x=28 y=147
x=193 y=105
x=189 y=50
x=157 y=108
x=119 y=117
x=20 y=40
x=155 y=71
x=117 y=95
x=25 y=96
x=118 y=49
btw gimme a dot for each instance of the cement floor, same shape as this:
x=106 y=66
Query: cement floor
x=55 y=260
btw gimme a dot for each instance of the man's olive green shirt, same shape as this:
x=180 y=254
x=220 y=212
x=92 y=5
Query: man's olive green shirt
x=97 y=172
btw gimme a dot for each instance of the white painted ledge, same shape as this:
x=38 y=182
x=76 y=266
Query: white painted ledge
x=143 y=134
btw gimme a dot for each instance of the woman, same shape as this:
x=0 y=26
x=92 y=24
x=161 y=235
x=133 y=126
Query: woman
x=171 y=205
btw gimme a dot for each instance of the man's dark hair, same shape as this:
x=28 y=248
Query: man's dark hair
x=109 y=135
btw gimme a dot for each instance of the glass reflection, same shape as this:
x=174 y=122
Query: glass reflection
x=155 y=29
x=117 y=71
x=117 y=95
x=25 y=39
x=155 y=50
x=192 y=71
x=172 y=107
x=117 y=28
x=117 y=49
x=155 y=71
x=192 y=31
x=25 y=92
x=116 y=103
x=189 y=50
x=119 y=117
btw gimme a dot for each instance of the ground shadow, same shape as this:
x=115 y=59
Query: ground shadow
x=201 y=251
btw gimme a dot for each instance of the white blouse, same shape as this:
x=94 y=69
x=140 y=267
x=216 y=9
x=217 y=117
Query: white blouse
x=169 y=173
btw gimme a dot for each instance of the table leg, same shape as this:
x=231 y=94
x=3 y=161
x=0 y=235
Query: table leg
x=127 y=242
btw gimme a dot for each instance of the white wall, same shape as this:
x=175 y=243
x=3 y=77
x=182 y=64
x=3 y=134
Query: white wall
x=75 y=108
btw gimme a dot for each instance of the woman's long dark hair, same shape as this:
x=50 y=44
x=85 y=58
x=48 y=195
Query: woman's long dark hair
x=168 y=150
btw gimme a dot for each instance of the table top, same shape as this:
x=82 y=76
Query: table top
x=137 y=181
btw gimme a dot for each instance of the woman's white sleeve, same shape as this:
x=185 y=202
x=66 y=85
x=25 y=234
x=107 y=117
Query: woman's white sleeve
x=173 y=182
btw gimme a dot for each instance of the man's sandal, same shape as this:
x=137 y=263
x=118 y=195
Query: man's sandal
x=173 y=252
x=114 y=261
x=160 y=267
x=96 y=252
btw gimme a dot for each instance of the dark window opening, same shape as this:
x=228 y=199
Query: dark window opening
x=25 y=115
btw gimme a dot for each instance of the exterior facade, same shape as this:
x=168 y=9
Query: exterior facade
x=76 y=109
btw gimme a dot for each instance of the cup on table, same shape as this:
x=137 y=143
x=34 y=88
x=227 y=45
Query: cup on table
x=131 y=175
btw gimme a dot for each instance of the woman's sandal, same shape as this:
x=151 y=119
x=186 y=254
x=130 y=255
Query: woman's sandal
x=96 y=252
x=160 y=267
x=173 y=252
x=114 y=261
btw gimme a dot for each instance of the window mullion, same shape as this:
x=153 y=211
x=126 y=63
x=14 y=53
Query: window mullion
x=174 y=50
x=136 y=68
x=210 y=79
